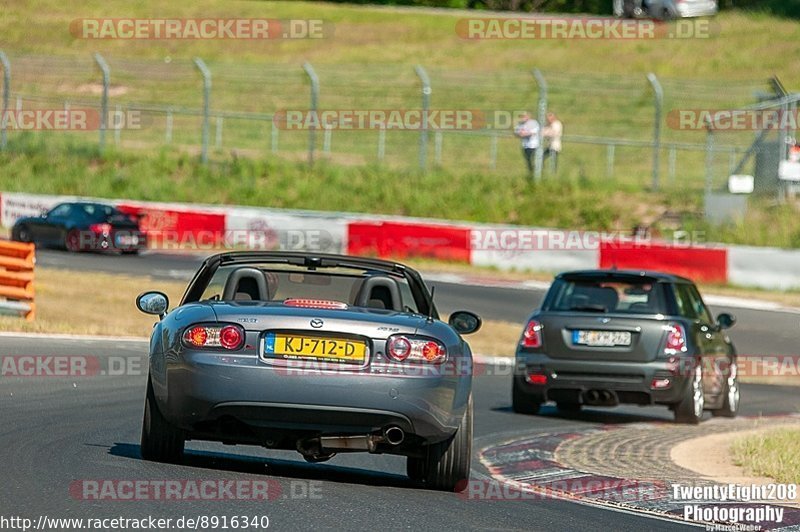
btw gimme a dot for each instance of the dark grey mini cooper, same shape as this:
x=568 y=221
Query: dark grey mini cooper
x=605 y=337
x=317 y=353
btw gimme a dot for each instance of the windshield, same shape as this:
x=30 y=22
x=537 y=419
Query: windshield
x=608 y=295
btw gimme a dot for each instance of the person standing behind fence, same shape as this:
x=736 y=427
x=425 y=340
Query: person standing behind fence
x=553 y=131
x=528 y=131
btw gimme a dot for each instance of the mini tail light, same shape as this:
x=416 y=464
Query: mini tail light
x=227 y=337
x=402 y=348
x=536 y=377
x=676 y=339
x=532 y=335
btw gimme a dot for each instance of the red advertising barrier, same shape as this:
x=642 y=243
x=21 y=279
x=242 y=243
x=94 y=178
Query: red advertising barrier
x=174 y=228
x=401 y=240
x=708 y=265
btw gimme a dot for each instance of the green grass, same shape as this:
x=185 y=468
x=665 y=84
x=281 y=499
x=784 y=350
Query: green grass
x=774 y=454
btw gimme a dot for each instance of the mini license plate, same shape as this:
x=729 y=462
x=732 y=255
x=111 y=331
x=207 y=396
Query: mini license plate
x=601 y=338
x=294 y=347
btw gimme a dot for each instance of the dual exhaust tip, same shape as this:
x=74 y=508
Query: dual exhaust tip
x=600 y=397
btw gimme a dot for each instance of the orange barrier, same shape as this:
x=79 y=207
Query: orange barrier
x=16 y=279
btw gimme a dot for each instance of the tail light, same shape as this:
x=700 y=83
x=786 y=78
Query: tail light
x=228 y=337
x=532 y=335
x=100 y=228
x=537 y=377
x=401 y=348
x=676 y=339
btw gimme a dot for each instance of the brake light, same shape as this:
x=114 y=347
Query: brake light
x=228 y=336
x=532 y=335
x=676 y=339
x=402 y=348
x=231 y=337
x=100 y=228
x=536 y=377
x=315 y=303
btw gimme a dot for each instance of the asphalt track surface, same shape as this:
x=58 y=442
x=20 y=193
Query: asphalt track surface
x=57 y=430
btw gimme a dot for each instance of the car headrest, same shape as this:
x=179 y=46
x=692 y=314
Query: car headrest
x=379 y=291
x=246 y=284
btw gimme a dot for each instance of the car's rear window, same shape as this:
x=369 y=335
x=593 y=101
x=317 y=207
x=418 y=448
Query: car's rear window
x=608 y=295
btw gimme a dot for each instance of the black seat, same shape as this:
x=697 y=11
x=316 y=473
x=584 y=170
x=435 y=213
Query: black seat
x=603 y=296
x=379 y=291
x=246 y=284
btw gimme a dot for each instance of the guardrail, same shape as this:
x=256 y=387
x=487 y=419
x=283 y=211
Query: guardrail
x=16 y=279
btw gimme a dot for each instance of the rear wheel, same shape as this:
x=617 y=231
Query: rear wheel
x=730 y=404
x=21 y=234
x=690 y=409
x=72 y=240
x=524 y=403
x=161 y=441
x=446 y=465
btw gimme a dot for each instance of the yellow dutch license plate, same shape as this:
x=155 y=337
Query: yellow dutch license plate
x=291 y=346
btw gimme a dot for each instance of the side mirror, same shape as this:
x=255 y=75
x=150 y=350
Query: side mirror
x=153 y=303
x=465 y=322
x=726 y=321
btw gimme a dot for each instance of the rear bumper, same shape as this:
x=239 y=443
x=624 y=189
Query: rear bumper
x=572 y=380
x=203 y=389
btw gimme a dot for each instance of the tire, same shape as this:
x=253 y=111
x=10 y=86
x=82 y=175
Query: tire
x=161 y=442
x=72 y=241
x=569 y=407
x=523 y=403
x=446 y=465
x=730 y=404
x=690 y=409
x=130 y=252
x=21 y=234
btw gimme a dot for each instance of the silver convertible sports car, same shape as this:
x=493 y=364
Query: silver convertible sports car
x=317 y=353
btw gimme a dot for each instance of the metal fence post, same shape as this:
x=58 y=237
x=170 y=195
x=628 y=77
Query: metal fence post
x=493 y=152
x=168 y=129
x=426 y=103
x=541 y=115
x=201 y=66
x=326 y=140
x=659 y=103
x=273 y=136
x=610 y=160
x=437 y=147
x=312 y=130
x=709 y=157
x=6 y=94
x=103 y=98
x=381 y=143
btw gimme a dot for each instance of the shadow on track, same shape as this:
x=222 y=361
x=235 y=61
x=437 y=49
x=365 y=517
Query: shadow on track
x=605 y=417
x=274 y=468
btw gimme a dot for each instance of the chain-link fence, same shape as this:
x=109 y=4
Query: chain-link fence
x=617 y=128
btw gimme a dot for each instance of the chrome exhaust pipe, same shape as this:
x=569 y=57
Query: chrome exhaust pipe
x=394 y=435
x=593 y=396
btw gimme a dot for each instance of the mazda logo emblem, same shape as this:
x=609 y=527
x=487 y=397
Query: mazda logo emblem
x=316 y=323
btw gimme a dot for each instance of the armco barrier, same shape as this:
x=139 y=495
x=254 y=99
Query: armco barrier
x=703 y=264
x=395 y=236
x=408 y=239
x=16 y=279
